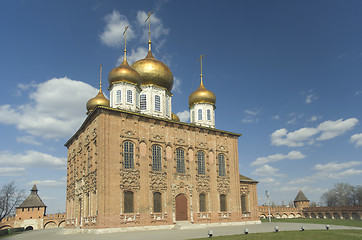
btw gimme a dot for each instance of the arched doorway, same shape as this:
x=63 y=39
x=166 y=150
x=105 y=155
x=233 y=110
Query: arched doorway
x=29 y=228
x=181 y=208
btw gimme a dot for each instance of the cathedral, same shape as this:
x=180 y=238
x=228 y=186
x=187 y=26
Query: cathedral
x=133 y=163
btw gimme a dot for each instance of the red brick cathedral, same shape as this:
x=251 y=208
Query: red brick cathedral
x=132 y=163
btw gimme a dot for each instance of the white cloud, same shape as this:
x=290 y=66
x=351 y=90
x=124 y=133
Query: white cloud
x=135 y=55
x=276 y=117
x=28 y=139
x=12 y=171
x=314 y=118
x=269 y=181
x=176 y=85
x=112 y=35
x=47 y=183
x=31 y=158
x=157 y=28
x=298 y=138
x=266 y=170
x=310 y=96
x=358 y=92
x=278 y=157
x=184 y=116
x=356 y=139
x=331 y=170
x=250 y=116
x=55 y=109
x=333 y=166
x=346 y=173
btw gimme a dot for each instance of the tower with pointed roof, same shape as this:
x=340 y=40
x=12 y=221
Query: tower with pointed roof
x=301 y=201
x=31 y=212
x=202 y=105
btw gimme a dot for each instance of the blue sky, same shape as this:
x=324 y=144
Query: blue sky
x=286 y=74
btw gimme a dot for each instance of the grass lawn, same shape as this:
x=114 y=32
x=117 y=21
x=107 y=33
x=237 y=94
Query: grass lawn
x=298 y=235
x=343 y=222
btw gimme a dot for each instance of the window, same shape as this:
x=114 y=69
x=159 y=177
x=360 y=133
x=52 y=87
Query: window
x=129 y=96
x=157 y=202
x=118 y=100
x=156 y=158
x=244 y=203
x=128 y=156
x=202 y=202
x=157 y=103
x=208 y=115
x=222 y=203
x=143 y=102
x=201 y=163
x=167 y=107
x=180 y=160
x=200 y=114
x=128 y=202
x=221 y=159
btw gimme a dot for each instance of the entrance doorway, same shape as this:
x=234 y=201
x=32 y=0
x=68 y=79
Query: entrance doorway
x=181 y=208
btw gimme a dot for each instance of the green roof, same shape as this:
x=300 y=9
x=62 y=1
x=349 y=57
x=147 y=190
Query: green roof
x=33 y=200
x=300 y=197
x=246 y=179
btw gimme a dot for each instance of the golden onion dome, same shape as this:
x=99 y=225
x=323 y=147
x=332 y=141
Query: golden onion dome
x=175 y=118
x=154 y=72
x=99 y=100
x=202 y=95
x=124 y=73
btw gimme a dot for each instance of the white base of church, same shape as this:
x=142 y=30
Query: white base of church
x=178 y=225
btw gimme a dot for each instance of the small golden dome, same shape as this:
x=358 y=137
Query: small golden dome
x=175 y=118
x=154 y=72
x=124 y=73
x=202 y=95
x=99 y=100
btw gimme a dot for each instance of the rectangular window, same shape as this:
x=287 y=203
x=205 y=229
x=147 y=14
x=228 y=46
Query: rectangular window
x=223 y=203
x=118 y=100
x=128 y=153
x=167 y=107
x=202 y=202
x=157 y=202
x=199 y=114
x=157 y=103
x=201 y=163
x=222 y=171
x=129 y=96
x=143 y=102
x=128 y=202
x=208 y=115
x=156 y=158
x=180 y=160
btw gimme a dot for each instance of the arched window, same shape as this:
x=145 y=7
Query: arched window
x=143 y=103
x=221 y=159
x=157 y=202
x=128 y=155
x=208 y=115
x=156 y=158
x=201 y=163
x=223 y=203
x=157 y=103
x=244 y=203
x=129 y=96
x=199 y=114
x=128 y=202
x=202 y=202
x=180 y=160
x=118 y=96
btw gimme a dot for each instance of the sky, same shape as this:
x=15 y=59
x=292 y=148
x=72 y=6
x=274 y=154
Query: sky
x=287 y=75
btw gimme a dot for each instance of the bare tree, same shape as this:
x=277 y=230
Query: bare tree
x=343 y=194
x=10 y=198
x=358 y=195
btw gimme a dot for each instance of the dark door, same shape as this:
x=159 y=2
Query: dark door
x=181 y=208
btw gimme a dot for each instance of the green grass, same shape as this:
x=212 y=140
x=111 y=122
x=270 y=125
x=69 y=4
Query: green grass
x=343 y=222
x=297 y=235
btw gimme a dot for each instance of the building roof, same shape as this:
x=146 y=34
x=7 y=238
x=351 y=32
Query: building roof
x=100 y=109
x=246 y=179
x=300 y=197
x=33 y=200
